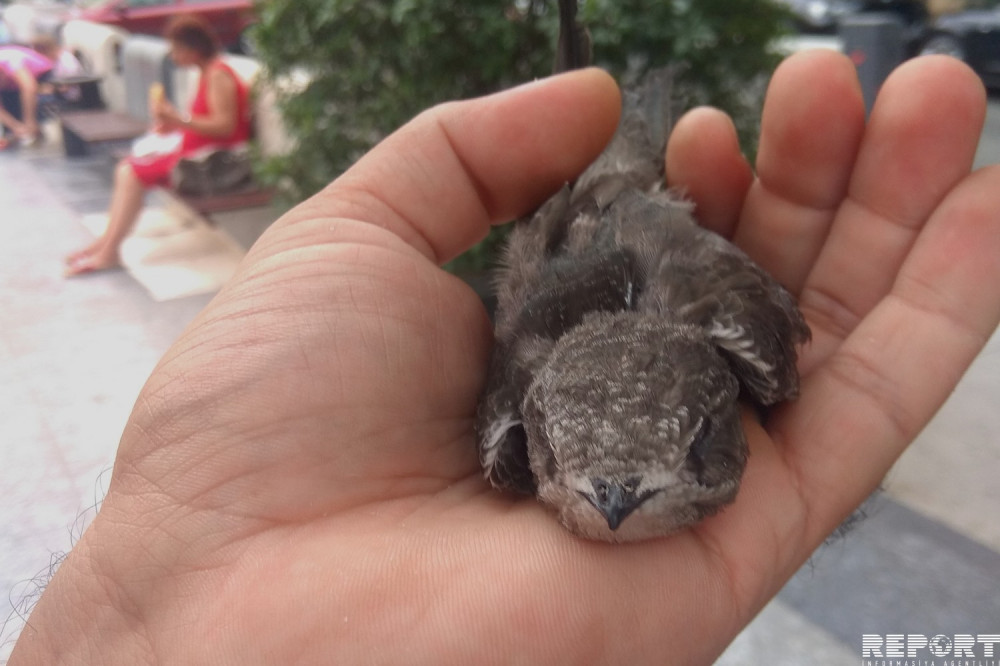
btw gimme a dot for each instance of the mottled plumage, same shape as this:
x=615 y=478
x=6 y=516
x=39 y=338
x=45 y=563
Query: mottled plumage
x=625 y=336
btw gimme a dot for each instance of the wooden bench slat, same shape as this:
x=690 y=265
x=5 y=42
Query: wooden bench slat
x=253 y=195
x=80 y=129
x=207 y=204
x=95 y=126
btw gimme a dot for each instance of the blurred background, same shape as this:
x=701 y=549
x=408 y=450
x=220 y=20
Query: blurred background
x=333 y=77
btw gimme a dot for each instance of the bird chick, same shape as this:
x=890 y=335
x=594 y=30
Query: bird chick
x=626 y=336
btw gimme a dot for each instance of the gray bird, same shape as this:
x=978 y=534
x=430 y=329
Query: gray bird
x=626 y=335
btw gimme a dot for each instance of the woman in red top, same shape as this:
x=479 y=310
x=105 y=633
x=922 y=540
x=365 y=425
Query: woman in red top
x=219 y=118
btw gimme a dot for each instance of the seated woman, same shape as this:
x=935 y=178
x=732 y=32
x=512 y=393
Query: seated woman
x=219 y=118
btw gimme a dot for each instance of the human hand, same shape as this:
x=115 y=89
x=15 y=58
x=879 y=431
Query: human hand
x=299 y=481
x=166 y=118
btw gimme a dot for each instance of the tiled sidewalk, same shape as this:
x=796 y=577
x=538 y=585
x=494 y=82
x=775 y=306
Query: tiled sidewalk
x=73 y=356
x=74 y=353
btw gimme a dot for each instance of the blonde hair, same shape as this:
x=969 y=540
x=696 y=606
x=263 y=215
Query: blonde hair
x=47 y=45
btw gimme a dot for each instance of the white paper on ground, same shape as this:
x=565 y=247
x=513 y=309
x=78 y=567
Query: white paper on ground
x=173 y=256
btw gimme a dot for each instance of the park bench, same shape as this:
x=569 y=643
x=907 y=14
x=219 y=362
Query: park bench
x=206 y=205
x=82 y=130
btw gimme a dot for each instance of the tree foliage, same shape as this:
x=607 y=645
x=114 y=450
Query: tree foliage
x=365 y=67
x=723 y=49
x=373 y=64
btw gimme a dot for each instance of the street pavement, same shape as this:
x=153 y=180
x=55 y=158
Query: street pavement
x=74 y=354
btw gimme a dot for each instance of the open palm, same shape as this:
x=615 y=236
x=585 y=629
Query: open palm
x=298 y=482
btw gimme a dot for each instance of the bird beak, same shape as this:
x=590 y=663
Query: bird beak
x=615 y=502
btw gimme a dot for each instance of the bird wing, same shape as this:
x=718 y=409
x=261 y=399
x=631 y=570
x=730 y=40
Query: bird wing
x=546 y=293
x=696 y=277
x=500 y=434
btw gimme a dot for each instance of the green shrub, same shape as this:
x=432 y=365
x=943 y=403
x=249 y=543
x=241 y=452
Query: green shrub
x=723 y=49
x=368 y=66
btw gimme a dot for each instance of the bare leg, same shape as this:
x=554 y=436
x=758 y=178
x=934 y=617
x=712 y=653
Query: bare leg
x=126 y=203
x=10 y=122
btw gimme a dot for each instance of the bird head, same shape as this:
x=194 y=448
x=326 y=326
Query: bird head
x=633 y=427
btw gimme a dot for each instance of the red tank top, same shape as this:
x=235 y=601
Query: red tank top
x=199 y=107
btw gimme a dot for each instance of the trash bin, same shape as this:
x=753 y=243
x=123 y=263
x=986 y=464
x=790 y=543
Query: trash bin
x=145 y=61
x=875 y=43
x=99 y=49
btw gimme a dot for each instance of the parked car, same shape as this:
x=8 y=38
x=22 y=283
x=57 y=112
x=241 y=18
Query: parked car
x=972 y=36
x=27 y=19
x=230 y=18
x=826 y=15
x=820 y=15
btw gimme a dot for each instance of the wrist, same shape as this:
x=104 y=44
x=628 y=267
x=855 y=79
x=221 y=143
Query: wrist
x=82 y=617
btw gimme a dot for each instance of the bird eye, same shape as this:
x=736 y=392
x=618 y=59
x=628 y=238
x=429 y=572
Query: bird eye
x=601 y=489
x=631 y=485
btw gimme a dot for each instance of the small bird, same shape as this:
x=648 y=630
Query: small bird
x=626 y=336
